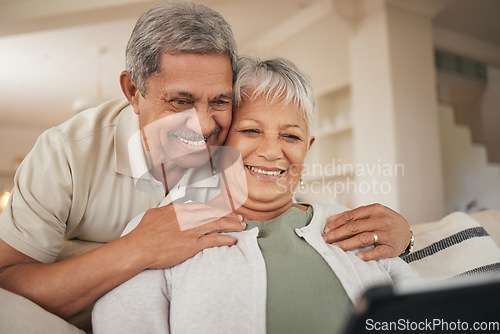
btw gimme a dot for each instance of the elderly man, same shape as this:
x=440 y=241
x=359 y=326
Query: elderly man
x=81 y=179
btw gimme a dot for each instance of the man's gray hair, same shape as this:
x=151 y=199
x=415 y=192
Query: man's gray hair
x=176 y=27
x=274 y=78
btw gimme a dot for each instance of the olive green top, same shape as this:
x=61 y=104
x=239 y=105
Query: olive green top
x=303 y=293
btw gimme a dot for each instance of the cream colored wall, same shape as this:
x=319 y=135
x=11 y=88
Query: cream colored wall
x=467 y=175
x=320 y=49
x=17 y=142
x=6 y=182
x=373 y=105
x=395 y=109
x=490 y=114
x=415 y=109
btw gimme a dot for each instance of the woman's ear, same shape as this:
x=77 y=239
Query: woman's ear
x=311 y=141
x=130 y=90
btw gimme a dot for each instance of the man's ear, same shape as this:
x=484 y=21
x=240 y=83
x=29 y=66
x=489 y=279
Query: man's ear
x=130 y=90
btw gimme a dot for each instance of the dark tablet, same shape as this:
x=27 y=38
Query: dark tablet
x=452 y=306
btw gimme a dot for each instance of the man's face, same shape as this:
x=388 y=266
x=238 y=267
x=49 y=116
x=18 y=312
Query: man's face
x=187 y=107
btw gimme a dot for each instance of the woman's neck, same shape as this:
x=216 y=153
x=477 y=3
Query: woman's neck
x=262 y=212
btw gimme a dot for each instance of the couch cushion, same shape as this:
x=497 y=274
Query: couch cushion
x=455 y=246
x=490 y=220
x=21 y=315
x=70 y=249
x=76 y=247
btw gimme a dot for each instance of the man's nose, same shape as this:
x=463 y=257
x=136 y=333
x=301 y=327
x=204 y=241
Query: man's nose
x=202 y=121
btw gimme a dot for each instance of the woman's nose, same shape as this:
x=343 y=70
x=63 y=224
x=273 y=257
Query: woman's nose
x=269 y=148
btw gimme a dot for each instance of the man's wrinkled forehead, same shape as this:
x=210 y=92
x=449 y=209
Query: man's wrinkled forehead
x=207 y=76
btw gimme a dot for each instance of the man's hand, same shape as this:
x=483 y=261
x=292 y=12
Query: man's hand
x=66 y=287
x=373 y=224
x=171 y=234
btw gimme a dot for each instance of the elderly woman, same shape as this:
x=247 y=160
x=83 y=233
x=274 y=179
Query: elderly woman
x=281 y=276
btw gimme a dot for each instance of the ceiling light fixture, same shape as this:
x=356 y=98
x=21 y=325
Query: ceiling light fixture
x=4 y=198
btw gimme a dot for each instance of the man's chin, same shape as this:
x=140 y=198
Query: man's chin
x=192 y=160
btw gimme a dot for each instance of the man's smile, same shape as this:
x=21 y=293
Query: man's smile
x=193 y=138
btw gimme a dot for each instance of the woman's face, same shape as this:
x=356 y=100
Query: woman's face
x=273 y=140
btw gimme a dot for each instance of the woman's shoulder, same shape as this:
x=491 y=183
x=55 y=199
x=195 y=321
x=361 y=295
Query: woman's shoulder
x=321 y=212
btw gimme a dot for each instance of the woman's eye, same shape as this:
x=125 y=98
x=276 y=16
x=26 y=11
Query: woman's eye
x=292 y=137
x=250 y=131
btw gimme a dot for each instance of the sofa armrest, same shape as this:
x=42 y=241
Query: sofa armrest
x=455 y=246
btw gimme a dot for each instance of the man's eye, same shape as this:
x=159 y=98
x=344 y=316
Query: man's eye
x=221 y=105
x=180 y=102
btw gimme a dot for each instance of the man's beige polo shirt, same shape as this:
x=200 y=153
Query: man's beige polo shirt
x=77 y=183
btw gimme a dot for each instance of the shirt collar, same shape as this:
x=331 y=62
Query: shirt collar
x=127 y=125
x=200 y=178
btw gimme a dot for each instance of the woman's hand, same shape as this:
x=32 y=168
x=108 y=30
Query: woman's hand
x=373 y=224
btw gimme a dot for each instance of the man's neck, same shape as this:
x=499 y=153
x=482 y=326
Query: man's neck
x=168 y=174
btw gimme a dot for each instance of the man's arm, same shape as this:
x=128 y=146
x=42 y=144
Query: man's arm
x=373 y=224
x=66 y=287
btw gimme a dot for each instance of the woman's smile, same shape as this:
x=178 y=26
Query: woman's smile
x=265 y=173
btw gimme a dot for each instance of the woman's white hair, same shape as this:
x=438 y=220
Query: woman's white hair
x=274 y=78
